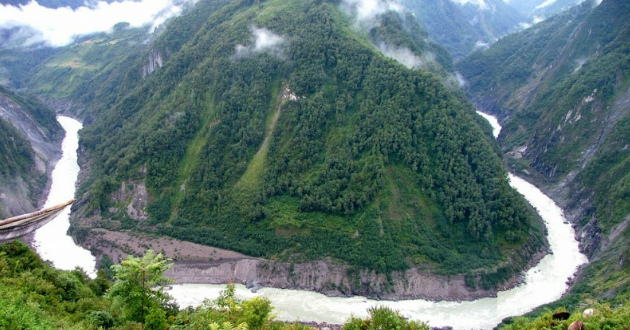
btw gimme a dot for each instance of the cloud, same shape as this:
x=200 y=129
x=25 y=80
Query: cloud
x=264 y=41
x=404 y=56
x=366 y=12
x=479 y=3
x=36 y=24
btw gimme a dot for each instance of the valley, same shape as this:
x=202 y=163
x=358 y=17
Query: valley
x=335 y=146
x=542 y=283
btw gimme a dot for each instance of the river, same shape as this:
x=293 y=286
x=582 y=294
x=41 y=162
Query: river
x=544 y=283
x=51 y=240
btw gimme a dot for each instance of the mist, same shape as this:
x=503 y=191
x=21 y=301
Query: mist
x=365 y=12
x=263 y=41
x=479 y=3
x=33 y=24
x=403 y=55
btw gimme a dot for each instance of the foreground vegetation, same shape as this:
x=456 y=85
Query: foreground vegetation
x=34 y=295
x=604 y=317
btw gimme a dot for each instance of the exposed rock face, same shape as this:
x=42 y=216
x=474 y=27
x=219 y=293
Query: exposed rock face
x=21 y=195
x=135 y=194
x=154 y=62
x=196 y=263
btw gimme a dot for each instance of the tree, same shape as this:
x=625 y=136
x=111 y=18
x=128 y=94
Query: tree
x=138 y=287
x=384 y=318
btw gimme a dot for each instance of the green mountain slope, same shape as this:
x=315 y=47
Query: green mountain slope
x=28 y=133
x=562 y=89
x=461 y=28
x=317 y=146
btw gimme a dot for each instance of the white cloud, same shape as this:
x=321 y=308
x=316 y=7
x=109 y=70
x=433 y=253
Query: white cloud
x=545 y=4
x=537 y=19
x=479 y=3
x=263 y=41
x=403 y=55
x=481 y=44
x=365 y=12
x=59 y=27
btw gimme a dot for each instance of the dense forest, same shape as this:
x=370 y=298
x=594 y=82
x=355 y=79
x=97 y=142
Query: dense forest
x=316 y=146
x=289 y=130
x=562 y=89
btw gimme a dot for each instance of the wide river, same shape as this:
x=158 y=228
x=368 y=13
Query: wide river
x=544 y=283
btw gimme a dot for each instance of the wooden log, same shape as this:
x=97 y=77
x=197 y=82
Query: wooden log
x=21 y=225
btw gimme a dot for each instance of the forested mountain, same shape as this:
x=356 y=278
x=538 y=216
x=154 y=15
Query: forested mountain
x=463 y=26
x=286 y=130
x=561 y=88
x=543 y=9
x=28 y=134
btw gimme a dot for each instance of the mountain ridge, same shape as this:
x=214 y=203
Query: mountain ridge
x=564 y=101
x=323 y=175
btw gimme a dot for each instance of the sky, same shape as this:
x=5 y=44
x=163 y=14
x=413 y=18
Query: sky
x=34 y=24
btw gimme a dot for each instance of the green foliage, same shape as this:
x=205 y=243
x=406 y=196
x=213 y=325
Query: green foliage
x=227 y=313
x=16 y=154
x=604 y=317
x=384 y=318
x=562 y=86
x=138 y=288
x=198 y=133
x=33 y=295
x=18 y=170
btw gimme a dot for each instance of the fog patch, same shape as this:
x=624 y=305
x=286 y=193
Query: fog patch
x=366 y=12
x=405 y=56
x=545 y=4
x=481 y=45
x=479 y=3
x=33 y=24
x=263 y=41
x=578 y=64
x=461 y=81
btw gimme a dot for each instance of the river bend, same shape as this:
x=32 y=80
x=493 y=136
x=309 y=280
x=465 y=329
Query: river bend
x=544 y=283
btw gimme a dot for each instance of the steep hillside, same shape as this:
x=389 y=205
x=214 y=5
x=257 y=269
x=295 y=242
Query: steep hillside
x=562 y=90
x=543 y=9
x=463 y=26
x=278 y=130
x=29 y=135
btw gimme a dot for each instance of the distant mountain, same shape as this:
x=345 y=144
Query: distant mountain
x=561 y=90
x=542 y=9
x=29 y=135
x=74 y=4
x=463 y=26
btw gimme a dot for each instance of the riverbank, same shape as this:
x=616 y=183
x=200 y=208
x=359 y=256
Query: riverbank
x=199 y=264
x=544 y=283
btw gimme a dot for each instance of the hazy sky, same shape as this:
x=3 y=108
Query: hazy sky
x=58 y=27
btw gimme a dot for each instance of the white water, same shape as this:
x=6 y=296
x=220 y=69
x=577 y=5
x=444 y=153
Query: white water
x=543 y=283
x=52 y=241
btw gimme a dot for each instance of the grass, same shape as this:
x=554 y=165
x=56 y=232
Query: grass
x=193 y=152
x=251 y=181
x=604 y=317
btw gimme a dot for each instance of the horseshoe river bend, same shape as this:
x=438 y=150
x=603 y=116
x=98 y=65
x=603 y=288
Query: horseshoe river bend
x=542 y=284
